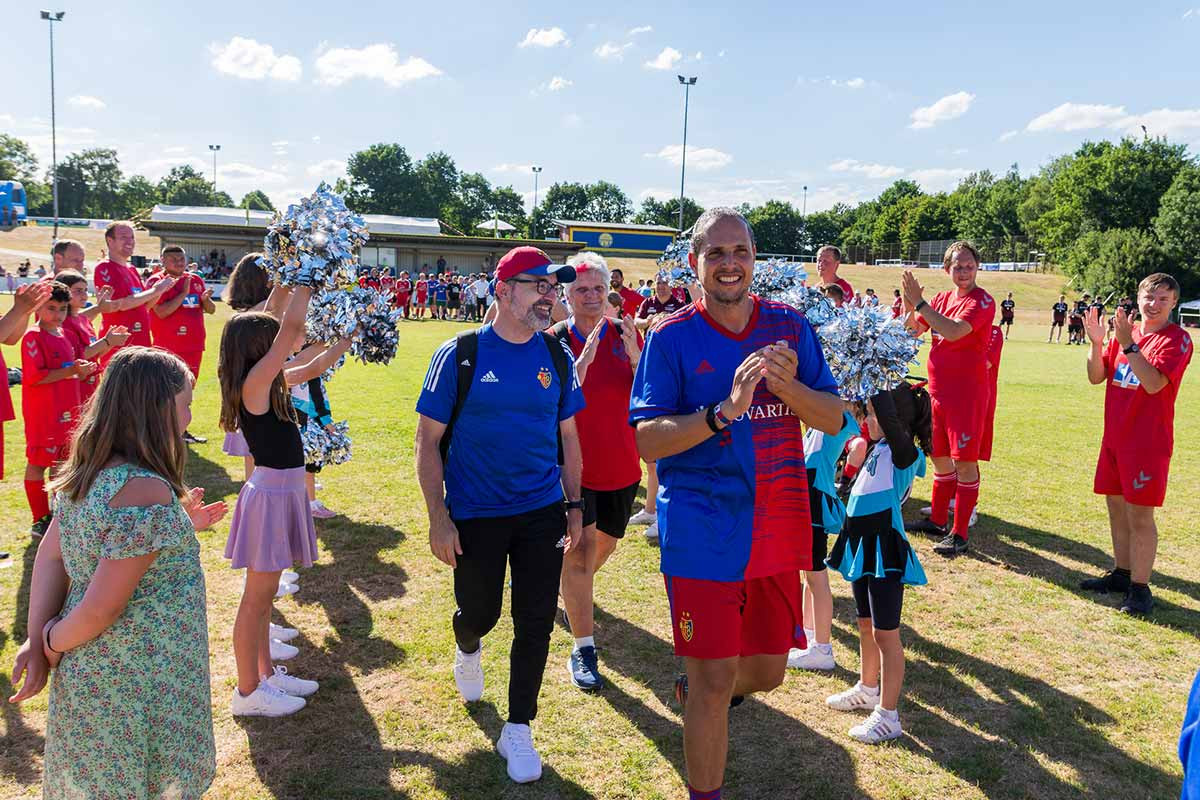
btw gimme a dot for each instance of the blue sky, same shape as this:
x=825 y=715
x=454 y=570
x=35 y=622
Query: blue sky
x=840 y=97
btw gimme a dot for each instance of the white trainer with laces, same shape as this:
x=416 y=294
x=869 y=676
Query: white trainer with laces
x=290 y=684
x=879 y=727
x=283 y=634
x=856 y=698
x=468 y=674
x=643 y=517
x=289 y=576
x=516 y=747
x=285 y=589
x=652 y=533
x=815 y=657
x=265 y=701
x=282 y=651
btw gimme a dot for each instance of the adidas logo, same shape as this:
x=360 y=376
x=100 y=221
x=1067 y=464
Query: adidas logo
x=489 y=378
x=704 y=368
x=466 y=362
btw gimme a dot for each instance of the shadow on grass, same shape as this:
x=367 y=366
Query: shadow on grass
x=23 y=745
x=1006 y=738
x=21 y=612
x=764 y=742
x=212 y=475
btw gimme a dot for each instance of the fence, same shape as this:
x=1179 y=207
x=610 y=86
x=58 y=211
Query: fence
x=1008 y=252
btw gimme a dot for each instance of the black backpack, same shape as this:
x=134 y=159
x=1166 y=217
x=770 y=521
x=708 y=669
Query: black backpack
x=466 y=353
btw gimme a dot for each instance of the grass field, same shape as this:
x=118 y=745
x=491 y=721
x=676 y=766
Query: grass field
x=1018 y=685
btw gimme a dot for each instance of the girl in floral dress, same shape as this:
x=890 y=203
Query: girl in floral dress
x=118 y=598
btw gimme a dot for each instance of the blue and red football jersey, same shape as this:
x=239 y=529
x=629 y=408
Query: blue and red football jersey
x=736 y=505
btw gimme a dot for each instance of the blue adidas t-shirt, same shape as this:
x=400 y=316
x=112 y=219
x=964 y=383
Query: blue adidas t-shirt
x=503 y=457
x=736 y=505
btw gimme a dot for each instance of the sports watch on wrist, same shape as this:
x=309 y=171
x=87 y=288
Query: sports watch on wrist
x=575 y=505
x=1133 y=348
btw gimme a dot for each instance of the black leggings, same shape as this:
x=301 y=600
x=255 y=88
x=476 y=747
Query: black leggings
x=880 y=599
x=530 y=542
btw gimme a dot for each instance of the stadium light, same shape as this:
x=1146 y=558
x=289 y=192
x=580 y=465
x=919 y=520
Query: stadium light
x=536 y=171
x=687 y=84
x=214 y=148
x=52 y=17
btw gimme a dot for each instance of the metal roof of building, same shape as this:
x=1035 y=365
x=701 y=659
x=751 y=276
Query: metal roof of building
x=210 y=215
x=621 y=226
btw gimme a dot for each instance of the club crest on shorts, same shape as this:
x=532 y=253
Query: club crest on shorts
x=544 y=377
x=686 y=628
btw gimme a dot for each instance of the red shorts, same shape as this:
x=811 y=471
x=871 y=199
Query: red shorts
x=1139 y=478
x=958 y=429
x=985 y=446
x=41 y=456
x=717 y=619
x=193 y=360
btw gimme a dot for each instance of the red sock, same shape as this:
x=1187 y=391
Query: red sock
x=39 y=501
x=711 y=794
x=944 y=487
x=965 y=499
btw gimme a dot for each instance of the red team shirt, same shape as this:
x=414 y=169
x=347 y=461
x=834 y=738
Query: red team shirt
x=630 y=300
x=78 y=329
x=652 y=305
x=182 y=331
x=1139 y=427
x=422 y=291
x=847 y=289
x=49 y=409
x=611 y=458
x=995 y=349
x=124 y=281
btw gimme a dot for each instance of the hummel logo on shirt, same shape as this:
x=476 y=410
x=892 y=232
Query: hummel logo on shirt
x=704 y=367
x=489 y=378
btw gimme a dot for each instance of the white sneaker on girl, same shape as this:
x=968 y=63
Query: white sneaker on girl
x=285 y=589
x=289 y=576
x=283 y=634
x=879 y=727
x=856 y=698
x=281 y=651
x=265 y=701
x=290 y=684
x=468 y=673
x=516 y=747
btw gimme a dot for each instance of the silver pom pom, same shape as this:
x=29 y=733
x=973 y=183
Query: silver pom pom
x=775 y=276
x=364 y=315
x=673 y=266
x=868 y=350
x=322 y=447
x=314 y=243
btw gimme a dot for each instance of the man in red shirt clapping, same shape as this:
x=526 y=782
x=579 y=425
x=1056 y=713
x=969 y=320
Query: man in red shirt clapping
x=129 y=297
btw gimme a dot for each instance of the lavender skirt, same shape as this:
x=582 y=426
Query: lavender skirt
x=272 y=525
x=235 y=445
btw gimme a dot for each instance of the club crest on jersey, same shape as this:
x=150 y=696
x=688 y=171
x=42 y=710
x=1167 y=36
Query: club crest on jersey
x=137 y=327
x=686 y=628
x=544 y=377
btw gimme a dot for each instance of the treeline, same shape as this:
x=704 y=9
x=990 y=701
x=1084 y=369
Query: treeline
x=1106 y=214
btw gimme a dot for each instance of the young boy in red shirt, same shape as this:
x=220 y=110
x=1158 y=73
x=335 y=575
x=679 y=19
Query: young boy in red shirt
x=78 y=328
x=959 y=386
x=177 y=316
x=50 y=376
x=1141 y=366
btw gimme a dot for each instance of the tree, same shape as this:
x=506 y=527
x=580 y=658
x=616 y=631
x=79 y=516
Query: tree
x=470 y=205
x=1178 y=220
x=437 y=177
x=190 y=192
x=17 y=161
x=886 y=229
x=509 y=206
x=561 y=201
x=256 y=200
x=777 y=227
x=381 y=180
x=89 y=184
x=1114 y=261
x=666 y=212
x=176 y=176
x=825 y=227
x=969 y=201
x=137 y=194
x=897 y=192
x=606 y=202
x=930 y=217
x=221 y=200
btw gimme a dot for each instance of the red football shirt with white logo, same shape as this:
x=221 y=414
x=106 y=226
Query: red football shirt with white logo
x=610 y=456
x=630 y=300
x=181 y=331
x=79 y=330
x=49 y=409
x=1134 y=419
x=847 y=289
x=961 y=364
x=124 y=281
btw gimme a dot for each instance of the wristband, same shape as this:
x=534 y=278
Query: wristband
x=575 y=505
x=920 y=305
x=1133 y=348
x=720 y=416
x=49 y=646
x=710 y=417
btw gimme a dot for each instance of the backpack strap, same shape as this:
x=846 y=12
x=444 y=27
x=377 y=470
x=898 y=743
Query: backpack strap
x=557 y=341
x=466 y=353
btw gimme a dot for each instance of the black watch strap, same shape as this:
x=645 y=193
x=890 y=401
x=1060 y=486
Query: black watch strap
x=1133 y=348
x=710 y=416
x=573 y=505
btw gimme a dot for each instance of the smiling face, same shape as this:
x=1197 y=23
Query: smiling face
x=725 y=263
x=963 y=268
x=120 y=243
x=827 y=267
x=53 y=314
x=1155 y=304
x=71 y=258
x=174 y=263
x=520 y=299
x=588 y=294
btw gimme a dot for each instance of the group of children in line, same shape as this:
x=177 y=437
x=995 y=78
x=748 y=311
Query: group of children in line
x=446 y=296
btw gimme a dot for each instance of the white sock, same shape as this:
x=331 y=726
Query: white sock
x=810 y=634
x=868 y=689
x=585 y=641
x=891 y=714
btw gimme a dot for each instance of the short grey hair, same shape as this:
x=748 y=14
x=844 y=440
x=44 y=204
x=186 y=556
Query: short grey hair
x=587 y=261
x=832 y=249
x=63 y=245
x=711 y=217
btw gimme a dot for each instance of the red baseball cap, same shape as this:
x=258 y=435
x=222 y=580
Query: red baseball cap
x=534 y=261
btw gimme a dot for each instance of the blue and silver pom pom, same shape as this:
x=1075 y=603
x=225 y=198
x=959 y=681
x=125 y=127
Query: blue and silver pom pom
x=315 y=243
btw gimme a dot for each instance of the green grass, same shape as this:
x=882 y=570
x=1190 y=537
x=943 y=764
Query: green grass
x=1017 y=686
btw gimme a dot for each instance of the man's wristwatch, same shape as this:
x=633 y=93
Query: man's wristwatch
x=717 y=421
x=920 y=305
x=1133 y=348
x=575 y=505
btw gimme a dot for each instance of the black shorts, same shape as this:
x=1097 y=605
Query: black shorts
x=820 y=539
x=609 y=511
x=1006 y=320
x=880 y=599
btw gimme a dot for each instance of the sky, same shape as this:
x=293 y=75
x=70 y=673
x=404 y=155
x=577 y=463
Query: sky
x=841 y=98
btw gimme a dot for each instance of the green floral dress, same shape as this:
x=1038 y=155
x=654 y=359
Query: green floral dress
x=130 y=714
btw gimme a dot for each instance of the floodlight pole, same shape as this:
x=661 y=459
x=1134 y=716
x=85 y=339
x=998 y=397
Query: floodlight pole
x=687 y=83
x=536 y=171
x=53 y=17
x=214 y=148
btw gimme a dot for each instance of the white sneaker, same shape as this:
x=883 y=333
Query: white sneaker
x=856 y=698
x=282 y=651
x=290 y=684
x=643 y=517
x=877 y=728
x=319 y=511
x=285 y=589
x=283 y=634
x=652 y=533
x=289 y=576
x=927 y=511
x=468 y=675
x=815 y=657
x=265 y=701
x=516 y=747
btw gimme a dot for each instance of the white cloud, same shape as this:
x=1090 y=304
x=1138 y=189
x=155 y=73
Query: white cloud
x=699 y=56
x=667 y=59
x=701 y=158
x=316 y=139
x=873 y=171
x=558 y=83
x=1004 y=137
x=512 y=168
x=640 y=29
x=280 y=143
x=86 y=101
x=572 y=120
x=612 y=51
x=329 y=168
x=855 y=83
x=837 y=83
x=376 y=61
x=1192 y=12
x=721 y=54
x=7 y=120
x=545 y=37
x=949 y=107
x=253 y=60
x=1077 y=117
x=1163 y=122
x=175 y=149
x=246 y=173
x=156 y=168
x=937 y=179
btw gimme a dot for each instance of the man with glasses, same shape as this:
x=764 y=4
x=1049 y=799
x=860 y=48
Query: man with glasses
x=496 y=502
